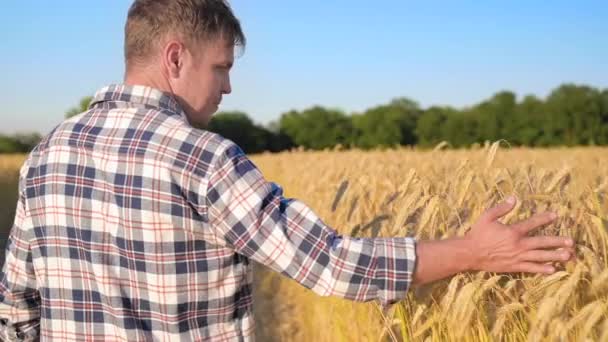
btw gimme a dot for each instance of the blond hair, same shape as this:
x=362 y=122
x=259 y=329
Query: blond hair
x=149 y=21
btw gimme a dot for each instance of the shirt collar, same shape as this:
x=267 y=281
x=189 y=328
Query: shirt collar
x=123 y=95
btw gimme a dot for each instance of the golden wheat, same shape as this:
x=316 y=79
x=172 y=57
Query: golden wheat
x=10 y=163
x=438 y=194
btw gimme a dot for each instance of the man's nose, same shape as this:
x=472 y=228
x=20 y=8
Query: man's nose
x=227 y=88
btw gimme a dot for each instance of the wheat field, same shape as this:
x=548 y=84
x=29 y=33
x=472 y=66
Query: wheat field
x=432 y=195
x=9 y=170
x=437 y=194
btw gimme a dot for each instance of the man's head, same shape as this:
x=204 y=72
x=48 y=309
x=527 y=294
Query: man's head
x=185 y=47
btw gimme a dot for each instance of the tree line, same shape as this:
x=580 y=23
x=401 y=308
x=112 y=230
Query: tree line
x=18 y=143
x=571 y=115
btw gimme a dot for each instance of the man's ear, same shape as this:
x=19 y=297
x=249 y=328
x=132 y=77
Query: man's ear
x=173 y=55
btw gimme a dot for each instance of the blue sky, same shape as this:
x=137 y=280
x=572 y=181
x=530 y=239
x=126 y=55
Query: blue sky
x=341 y=54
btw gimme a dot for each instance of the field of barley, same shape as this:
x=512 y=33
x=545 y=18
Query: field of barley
x=432 y=195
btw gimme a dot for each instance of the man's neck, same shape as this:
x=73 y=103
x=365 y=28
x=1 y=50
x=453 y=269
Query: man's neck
x=154 y=79
x=149 y=78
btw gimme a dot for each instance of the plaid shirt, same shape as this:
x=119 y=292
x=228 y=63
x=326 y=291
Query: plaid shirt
x=131 y=225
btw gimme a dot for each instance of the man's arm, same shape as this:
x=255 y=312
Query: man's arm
x=19 y=297
x=254 y=218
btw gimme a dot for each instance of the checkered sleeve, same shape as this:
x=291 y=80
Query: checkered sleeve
x=286 y=235
x=19 y=297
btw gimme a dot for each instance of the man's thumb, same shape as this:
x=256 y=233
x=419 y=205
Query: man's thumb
x=500 y=209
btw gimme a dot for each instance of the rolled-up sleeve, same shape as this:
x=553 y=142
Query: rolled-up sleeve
x=253 y=217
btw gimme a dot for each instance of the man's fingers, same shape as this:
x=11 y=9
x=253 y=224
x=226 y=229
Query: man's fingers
x=531 y=267
x=499 y=210
x=534 y=222
x=570 y=250
x=540 y=242
x=546 y=256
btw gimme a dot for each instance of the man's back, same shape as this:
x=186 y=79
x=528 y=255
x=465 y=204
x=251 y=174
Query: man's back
x=117 y=250
x=133 y=226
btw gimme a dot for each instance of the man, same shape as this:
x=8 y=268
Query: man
x=132 y=225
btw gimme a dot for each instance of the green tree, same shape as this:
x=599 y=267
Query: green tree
x=238 y=127
x=603 y=130
x=574 y=115
x=461 y=129
x=493 y=117
x=27 y=141
x=528 y=122
x=430 y=128
x=83 y=106
x=19 y=143
x=388 y=125
x=317 y=127
x=9 y=144
x=278 y=140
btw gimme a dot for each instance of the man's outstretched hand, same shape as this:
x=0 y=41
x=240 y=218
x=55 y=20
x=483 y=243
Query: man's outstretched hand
x=508 y=248
x=494 y=247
